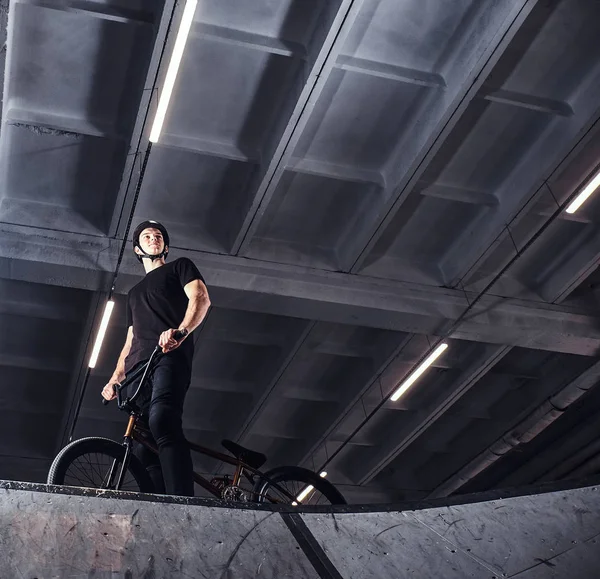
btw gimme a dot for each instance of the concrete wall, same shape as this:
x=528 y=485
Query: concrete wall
x=49 y=532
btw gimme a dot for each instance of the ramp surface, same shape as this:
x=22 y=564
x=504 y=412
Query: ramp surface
x=55 y=532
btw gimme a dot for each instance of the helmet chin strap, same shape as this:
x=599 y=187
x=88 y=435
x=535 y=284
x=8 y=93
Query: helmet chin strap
x=149 y=256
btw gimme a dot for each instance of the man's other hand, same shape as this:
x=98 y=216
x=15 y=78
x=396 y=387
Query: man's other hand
x=108 y=392
x=167 y=342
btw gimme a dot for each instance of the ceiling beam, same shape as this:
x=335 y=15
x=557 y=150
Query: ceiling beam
x=571 y=266
x=486 y=33
x=317 y=450
x=248 y=40
x=87 y=262
x=335 y=25
x=334 y=171
x=546 y=157
x=556 y=460
x=207 y=147
x=271 y=388
x=588 y=468
x=60 y=124
x=434 y=80
x=95 y=10
x=529 y=102
x=576 y=259
x=40 y=121
x=212 y=384
x=390 y=72
x=573 y=217
x=31 y=362
x=41 y=310
x=452 y=193
x=344 y=350
x=245 y=336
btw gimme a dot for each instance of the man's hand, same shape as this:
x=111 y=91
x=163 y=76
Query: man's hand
x=167 y=342
x=108 y=392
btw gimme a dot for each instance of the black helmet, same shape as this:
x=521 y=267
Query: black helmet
x=155 y=225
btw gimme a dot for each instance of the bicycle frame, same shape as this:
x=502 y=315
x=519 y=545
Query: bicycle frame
x=135 y=431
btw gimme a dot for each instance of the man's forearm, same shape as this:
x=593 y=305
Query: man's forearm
x=195 y=313
x=119 y=373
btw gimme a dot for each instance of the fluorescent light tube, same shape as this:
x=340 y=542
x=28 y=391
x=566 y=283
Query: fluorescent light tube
x=165 y=96
x=101 y=332
x=419 y=371
x=323 y=474
x=585 y=193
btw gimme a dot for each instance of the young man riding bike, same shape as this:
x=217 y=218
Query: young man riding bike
x=172 y=297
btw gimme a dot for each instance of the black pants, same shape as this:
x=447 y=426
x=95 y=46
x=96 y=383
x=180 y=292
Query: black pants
x=162 y=406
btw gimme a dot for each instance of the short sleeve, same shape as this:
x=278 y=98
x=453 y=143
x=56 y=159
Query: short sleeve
x=129 y=314
x=187 y=271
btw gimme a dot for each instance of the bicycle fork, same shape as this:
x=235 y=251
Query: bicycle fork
x=127 y=444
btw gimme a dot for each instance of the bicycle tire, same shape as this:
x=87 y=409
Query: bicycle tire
x=288 y=474
x=97 y=447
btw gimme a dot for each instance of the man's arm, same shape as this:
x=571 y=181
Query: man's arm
x=198 y=304
x=119 y=373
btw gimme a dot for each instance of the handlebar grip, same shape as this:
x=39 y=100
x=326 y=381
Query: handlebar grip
x=180 y=334
x=104 y=400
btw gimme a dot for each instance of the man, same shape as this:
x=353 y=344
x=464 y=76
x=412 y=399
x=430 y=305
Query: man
x=171 y=297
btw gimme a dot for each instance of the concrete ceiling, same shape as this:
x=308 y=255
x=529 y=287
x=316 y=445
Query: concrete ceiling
x=349 y=176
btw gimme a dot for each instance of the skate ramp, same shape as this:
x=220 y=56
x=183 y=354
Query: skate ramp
x=56 y=532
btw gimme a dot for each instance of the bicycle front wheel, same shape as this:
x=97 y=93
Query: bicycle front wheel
x=96 y=462
x=297 y=486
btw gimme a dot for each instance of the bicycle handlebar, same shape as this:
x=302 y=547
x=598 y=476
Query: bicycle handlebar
x=156 y=353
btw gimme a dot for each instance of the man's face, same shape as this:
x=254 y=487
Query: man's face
x=152 y=241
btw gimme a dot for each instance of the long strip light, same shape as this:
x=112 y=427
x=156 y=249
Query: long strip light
x=585 y=193
x=309 y=489
x=419 y=371
x=165 y=96
x=101 y=333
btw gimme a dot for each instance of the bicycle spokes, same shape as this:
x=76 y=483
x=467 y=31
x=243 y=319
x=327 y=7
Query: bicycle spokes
x=302 y=493
x=98 y=471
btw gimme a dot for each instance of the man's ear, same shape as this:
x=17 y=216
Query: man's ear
x=137 y=250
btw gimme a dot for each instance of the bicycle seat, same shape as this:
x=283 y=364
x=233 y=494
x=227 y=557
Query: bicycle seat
x=250 y=457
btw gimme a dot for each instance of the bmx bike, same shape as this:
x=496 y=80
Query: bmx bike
x=102 y=463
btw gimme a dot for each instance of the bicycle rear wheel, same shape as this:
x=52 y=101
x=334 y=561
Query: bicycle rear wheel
x=296 y=485
x=88 y=463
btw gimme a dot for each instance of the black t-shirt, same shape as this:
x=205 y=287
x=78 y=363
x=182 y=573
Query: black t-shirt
x=158 y=303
